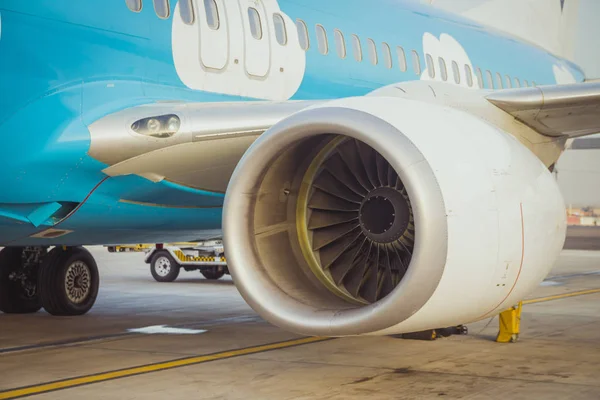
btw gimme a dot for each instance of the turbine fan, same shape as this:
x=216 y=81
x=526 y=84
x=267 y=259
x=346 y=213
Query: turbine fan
x=358 y=221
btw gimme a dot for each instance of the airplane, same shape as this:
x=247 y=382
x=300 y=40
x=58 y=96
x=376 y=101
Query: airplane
x=373 y=167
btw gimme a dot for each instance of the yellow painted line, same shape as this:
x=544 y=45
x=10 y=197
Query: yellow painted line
x=145 y=369
x=561 y=296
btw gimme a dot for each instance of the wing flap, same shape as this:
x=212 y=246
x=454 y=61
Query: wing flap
x=560 y=110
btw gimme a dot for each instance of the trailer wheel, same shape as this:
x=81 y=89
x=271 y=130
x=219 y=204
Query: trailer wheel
x=213 y=273
x=163 y=267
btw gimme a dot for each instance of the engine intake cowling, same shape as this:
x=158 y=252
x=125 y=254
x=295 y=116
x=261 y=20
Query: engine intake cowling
x=381 y=215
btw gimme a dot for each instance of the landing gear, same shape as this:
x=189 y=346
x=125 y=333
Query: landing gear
x=18 y=280
x=64 y=281
x=68 y=281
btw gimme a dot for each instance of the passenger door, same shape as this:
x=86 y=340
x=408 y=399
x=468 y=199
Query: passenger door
x=257 y=50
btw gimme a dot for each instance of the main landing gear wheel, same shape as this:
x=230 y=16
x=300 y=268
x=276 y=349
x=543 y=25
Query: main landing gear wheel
x=68 y=281
x=163 y=267
x=18 y=283
x=213 y=273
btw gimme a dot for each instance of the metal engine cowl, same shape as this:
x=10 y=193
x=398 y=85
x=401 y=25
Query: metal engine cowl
x=384 y=215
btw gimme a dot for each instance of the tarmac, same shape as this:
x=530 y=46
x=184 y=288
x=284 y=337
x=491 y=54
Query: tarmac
x=195 y=338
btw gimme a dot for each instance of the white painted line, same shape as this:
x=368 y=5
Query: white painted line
x=165 y=330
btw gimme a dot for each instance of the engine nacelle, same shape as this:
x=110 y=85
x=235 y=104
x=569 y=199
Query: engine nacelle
x=381 y=215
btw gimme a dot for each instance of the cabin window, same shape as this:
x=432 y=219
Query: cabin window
x=302 y=34
x=280 y=31
x=387 y=55
x=469 y=75
x=322 y=40
x=255 y=23
x=372 y=51
x=401 y=58
x=456 y=72
x=443 y=69
x=162 y=8
x=508 y=81
x=357 y=48
x=517 y=83
x=340 y=43
x=212 y=14
x=499 y=83
x=526 y=83
x=490 y=79
x=416 y=62
x=430 y=66
x=479 y=78
x=186 y=11
x=134 y=5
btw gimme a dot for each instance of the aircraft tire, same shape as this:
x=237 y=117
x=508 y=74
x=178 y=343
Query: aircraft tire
x=213 y=274
x=68 y=281
x=13 y=298
x=163 y=267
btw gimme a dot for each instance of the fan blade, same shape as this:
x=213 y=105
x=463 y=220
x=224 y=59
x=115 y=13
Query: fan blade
x=355 y=276
x=340 y=170
x=386 y=284
x=324 y=236
x=368 y=288
x=330 y=184
x=349 y=154
x=321 y=218
x=323 y=201
x=334 y=250
x=346 y=262
x=382 y=169
x=392 y=176
x=367 y=155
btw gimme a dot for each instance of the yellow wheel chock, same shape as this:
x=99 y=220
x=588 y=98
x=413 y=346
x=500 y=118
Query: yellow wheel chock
x=510 y=323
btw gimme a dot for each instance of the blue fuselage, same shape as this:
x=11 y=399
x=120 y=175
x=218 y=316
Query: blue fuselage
x=65 y=64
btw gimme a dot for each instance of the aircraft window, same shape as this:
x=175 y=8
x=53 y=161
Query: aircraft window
x=443 y=69
x=280 y=31
x=212 y=14
x=186 y=11
x=357 y=48
x=401 y=58
x=255 y=23
x=322 y=40
x=456 y=72
x=372 y=51
x=162 y=8
x=469 y=75
x=479 y=78
x=340 y=43
x=430 y=66
x=302 y=34
x=134 y=5
x=526 y=83
x=490 y=79
x=508 y=82
x=517 y=83
x=499 y=80
x=387 y=55
x=416 y=62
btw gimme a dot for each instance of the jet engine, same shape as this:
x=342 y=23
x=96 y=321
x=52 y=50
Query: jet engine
x=382 y=215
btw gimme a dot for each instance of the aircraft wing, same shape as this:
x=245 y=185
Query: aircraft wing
x=560 y=110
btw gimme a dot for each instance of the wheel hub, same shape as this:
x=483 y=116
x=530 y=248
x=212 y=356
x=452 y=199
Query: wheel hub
x=78 y=282
x=163 y=266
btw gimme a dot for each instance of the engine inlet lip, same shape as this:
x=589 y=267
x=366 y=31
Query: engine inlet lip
x=261 y=292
